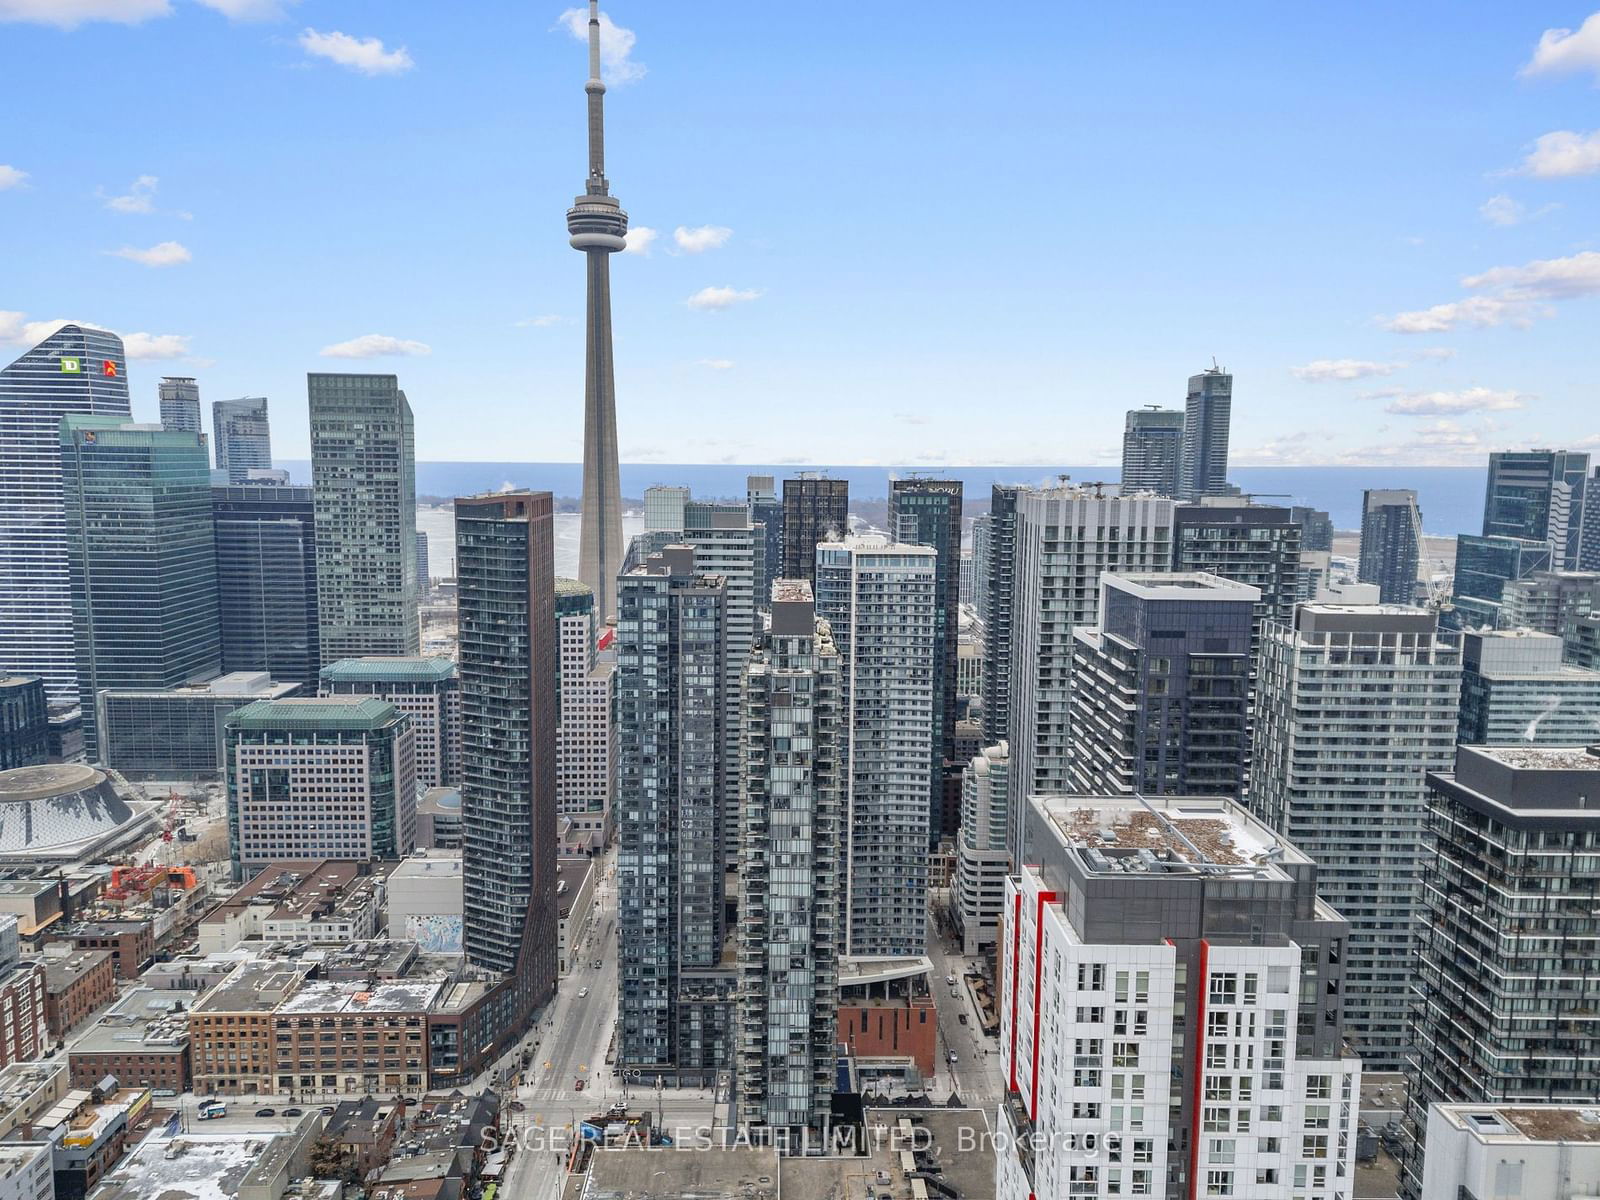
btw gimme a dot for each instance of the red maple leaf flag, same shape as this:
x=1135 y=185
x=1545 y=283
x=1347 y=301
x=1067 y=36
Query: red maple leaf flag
x=109 y=369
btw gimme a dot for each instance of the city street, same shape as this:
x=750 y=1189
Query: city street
x=976 y=1075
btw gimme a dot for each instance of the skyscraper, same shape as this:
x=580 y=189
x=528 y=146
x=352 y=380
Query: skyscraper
x=1160 y=686
x=586 y=741
x=505 y=571
x=1549 y=601
x=180 y=404
x=141 y=558
x=242 y=435
x=1316 y=527
x=814 y=510
x=1066 y=538
x=1589 y=525
x=267 y=579
x=598 y=227
x=427 y=689
x=1517 y=691
x=996 y=600
x=1391 y=543
x=927 y=512
x=1206 y=414
x=791 y=870
x=879 y=601
x=981 y=858
x=363 y=481
x=1506 y=992
x=1256 y=544
x=1152 y=450
x=1484 y=566
x=1537 y=495
x=675 y=1000
x=766 y=510
x=424 y=577
x=1354 y=705
x=74 y=370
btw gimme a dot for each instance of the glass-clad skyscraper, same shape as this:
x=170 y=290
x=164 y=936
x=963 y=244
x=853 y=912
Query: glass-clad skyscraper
x=140 y=558
x=179 y=396
x=267 y=579
x=74 y=370
x=1391 y=543
x=244 y=440
x=1152 y=450
x=1207 y=413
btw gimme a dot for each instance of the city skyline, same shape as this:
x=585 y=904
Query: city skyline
x=1379 y=216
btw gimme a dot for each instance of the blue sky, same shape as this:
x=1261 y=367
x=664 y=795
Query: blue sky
x=954 y=233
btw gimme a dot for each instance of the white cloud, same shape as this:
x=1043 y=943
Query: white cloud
x=709 y=299
x=140 y=197
x=701 y=238
x=717 y=364
x=1502 y=210
x=1437 y=353
x=69 y=14
x=542 y=322
x=1563 y=153
x=162 y=254
x=249 y=10
x=374 y=345
x=1324 y=369
x=1441 y=318
x=639 y=239
x=366 y=55
x=1432 y=404
x=155 y=345
x=11 y=177
x=1544 y=278
x=1441 y=442
x=616 y=45
x=1563 y=50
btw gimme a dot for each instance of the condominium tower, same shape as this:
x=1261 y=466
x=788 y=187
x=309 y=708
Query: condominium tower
x=586 y=738
x=1517 y=691
x=815 y=510
x=242 y=435
x=766 y=512
x=1207 y=412
x=1354 y=705
x=1537 y=495
x=1391 y=543
x=74 y=370
x=981 y=858
x=179 y=397
x=1152 y=450
x=879 y=599
x=363 y=480
x=996 y=603
x=791 y=870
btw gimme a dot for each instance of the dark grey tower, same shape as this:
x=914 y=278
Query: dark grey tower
x=1391 y=543
x=597 y=225
x=1207 y=413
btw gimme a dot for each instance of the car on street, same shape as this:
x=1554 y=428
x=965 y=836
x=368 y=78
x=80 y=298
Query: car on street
x=294 y=1112
x=962 y=1017
x=597 y=964
x=577 y=1085
x=266 y=1112
x=582 y=992
x=952 y=1056
x=955 y=993
x=328 y=1110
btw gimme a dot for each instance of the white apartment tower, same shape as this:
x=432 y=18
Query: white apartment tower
x=1355 y=705
x=1066 y=538
x=586 y=737
x=981 y=858
x=878 y=599
x=1169 y=1010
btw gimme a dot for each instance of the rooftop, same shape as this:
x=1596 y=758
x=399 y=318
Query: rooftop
x=1544 y=758
x=191 y=1166
x=1164 y=833
x=314 y=714
x=1180 y=585
x=296 y=888
x=145 y=1020
x=62 y=970
x=252 y=987
x=390 y=669
x=381 y=996
x=433 y=864
x=1538 y=1123
x=741 y=1173
x=229 y=686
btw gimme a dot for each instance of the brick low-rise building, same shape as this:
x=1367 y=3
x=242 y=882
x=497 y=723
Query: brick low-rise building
x=24 y=1034
x=132 y=943
x=77 y=984
x=143 y=1041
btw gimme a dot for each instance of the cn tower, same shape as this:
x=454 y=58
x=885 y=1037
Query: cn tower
x=597 y=225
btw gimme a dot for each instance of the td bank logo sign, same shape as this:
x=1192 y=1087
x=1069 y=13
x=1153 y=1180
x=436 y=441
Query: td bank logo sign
x=72 y=366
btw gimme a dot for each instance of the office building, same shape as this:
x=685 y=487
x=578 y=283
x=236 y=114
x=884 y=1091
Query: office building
x=426 y=689
x=1526 y=1150
x=791 y=871
x=74 y=370
x=1316 y=528
x=927 y=512
x=815 y=509
x=981 y=858
x=141 y=558
x=266 y=538
x=242 y=436
x=1536 y=496
x=586 y=739
x=424 y=578
x=24 y=722
x=177 y=733
x=363 y=482
x=1517 y=691
x=598 y=225
x=996 y=601
x=766 y=512
x=1169 y=1009
x=506 y=598
x=1354 y=705
x=663 y=507
x=179 y=397
x=1207 y=412
x=675 y=997
x=1152 y=450
x=1505 y=993
x=321 y=777
x=1391 y=543
x=1066 y=538
x=1549 y=601
x=729 y=547
x=1484 y=565
x=1160 y=687
x=879 y=601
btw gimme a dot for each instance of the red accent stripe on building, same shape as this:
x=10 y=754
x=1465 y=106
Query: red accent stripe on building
x=1016 y=973
x=1199 y=1072
x=1038 y=974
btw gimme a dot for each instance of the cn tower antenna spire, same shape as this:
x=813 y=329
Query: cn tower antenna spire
x=598 y=227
